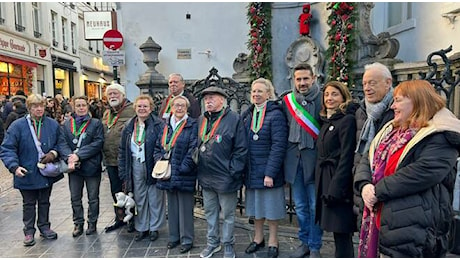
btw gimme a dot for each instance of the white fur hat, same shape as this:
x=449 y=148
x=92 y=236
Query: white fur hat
x=117 y=87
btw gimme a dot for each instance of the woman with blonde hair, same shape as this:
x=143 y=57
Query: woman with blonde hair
x=407 y=178
x=267 y=132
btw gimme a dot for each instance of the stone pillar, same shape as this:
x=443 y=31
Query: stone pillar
x=151 y=82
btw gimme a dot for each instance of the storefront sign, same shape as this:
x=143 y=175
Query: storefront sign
x=9 y=43
x=96 y=24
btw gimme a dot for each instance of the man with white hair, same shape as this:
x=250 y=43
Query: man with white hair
x=176 y=85
x=114 y=119
x=373 y=113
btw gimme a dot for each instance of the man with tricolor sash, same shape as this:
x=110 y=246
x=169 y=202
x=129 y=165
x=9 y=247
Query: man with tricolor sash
x=302 y=107
x=114 y=119
x=176 y=85
x=222 y=150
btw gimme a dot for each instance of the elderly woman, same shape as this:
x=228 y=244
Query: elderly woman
x=407 y=179
x=135 y=168
x=81 y=141
x=267 y=132
x=333 y=176
x=178 y=141
x=20 y=155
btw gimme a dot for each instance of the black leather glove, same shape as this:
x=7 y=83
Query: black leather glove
x=47 y=158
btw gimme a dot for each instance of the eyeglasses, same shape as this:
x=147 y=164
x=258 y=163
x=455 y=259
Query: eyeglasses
x=179 y=105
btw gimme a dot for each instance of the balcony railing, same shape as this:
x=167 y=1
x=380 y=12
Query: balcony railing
x=20 y=28
x=37 y=34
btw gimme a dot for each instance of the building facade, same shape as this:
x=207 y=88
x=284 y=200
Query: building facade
x=42 y=50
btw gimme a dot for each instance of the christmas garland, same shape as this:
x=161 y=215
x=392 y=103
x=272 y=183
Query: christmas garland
x=259 y=44
x=341 y=37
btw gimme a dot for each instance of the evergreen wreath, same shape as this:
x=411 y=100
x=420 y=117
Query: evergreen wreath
x=341 y=38
x=260 y=38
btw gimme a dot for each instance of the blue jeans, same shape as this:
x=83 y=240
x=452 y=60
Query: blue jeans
x=213 y=202
x=305 y=202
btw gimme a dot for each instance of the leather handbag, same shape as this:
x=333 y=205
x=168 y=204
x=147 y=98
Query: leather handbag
x=162 y=170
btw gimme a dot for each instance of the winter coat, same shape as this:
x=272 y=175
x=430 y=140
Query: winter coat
x=417 y=199
x=90 y=151
x=361 y=117
x=15 y=114
x=18 y=149
x=221 y=165
x=333 y=176
x=112 y=137
x=294 y=154
x=266 y=155
x=153 y=128
x=193 y=110
x=183 y=169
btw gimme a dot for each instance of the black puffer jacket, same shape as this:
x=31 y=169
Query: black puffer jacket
x=417 y=198
x=221 y=165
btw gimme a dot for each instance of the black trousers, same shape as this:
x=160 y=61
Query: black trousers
x=115 y=186
x=30 y=198
x=343 y=245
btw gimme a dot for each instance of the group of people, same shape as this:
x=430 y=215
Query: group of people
x=384 y=166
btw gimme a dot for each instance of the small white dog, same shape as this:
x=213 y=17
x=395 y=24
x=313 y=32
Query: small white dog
x=127 y=202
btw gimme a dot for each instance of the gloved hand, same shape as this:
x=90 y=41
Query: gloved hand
x=47 y=158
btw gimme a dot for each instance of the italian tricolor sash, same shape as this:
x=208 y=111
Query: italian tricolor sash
x=303 y=118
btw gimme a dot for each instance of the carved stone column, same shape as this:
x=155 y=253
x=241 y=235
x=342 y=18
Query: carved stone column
x=151 y=82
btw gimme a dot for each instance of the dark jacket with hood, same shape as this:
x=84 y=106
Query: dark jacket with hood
x=417 y=199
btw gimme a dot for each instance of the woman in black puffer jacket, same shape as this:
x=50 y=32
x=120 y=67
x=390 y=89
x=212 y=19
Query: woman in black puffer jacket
x=407 y=180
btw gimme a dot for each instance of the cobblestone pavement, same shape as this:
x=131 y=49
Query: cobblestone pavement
x=120 y=243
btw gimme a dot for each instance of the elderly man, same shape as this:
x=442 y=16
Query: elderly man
x=222 y=150
x=373 y=113
x=177 y=88
x=302 y=107
x=119 y=112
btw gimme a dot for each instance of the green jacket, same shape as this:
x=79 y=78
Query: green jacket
x=112 y=136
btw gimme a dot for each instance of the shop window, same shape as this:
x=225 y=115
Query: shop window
x=14 y=77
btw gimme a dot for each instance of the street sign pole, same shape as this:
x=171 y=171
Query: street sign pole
x=115 y=74
x=113 y=40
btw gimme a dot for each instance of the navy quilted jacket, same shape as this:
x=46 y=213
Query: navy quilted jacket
x=266 y=155
x=183 y=169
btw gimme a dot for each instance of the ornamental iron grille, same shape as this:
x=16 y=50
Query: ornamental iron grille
x=443 y=81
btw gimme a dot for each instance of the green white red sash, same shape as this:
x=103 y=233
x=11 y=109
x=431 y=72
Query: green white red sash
x=303 y=118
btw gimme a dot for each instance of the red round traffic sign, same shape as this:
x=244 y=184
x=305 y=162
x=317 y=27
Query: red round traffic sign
x=112 y=39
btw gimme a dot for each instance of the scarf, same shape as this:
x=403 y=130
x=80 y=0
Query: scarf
x=369 y=234
x=296 y=132
x=79 y=120
x=374 y=113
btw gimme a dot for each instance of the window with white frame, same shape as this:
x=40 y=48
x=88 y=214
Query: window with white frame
x=19 y=16
x=64 y=34
x=36 y=16
x=54 y=31
x=399 y=17
x=73 y=35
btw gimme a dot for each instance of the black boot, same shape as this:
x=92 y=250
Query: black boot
x=91 y=228
x=77 y=230
x=118 y=221
x=131 y=228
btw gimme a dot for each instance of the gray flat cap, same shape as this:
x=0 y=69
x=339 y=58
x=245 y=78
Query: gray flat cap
x=214 y=90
